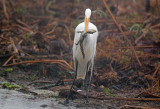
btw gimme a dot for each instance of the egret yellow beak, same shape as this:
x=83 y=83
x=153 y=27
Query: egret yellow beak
x=86 y=26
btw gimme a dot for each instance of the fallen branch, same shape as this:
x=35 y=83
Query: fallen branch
x=41 y=82
x=13 y=45
x=5 y=9
x=119 y=98
x=42 y=61
x=135 y=107
x=154 y=74
x=105 y=4
x=22 y=23
x=9 y=59
x=24 y=28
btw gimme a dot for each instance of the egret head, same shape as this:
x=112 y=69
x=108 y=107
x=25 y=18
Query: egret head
x=87 y=17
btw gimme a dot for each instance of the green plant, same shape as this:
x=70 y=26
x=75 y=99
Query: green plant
x=78 y=1
x=133 y=14
x=48 y=5
x=29 y=35
x=33 y=77
x=124 y=60
x=153 y=35
x=20 y=10
x=8 y=69
x=137 y=27
x=107 y=91
x=100 y=12
x=34 y=42
x=77 y=22
x=10 y=86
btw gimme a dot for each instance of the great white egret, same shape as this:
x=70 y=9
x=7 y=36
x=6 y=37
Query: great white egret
x=86 y=34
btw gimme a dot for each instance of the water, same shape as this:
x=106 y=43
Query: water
x=11 y=99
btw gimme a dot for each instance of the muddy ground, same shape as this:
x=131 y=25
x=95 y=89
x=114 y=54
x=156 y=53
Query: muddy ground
x=36 y=65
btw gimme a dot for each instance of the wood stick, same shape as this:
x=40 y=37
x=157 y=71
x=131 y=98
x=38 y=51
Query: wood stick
x=154 y=74
x=5 y=9
x=135 y=107
x=9 y=59
x=119 y=98
x=42 y=61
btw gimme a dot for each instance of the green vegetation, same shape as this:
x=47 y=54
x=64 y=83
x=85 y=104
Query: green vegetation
x=10 y=86
x=33 y=77
x=100 y=12
x=78 y=1
x=133 y=14
x=20 y=10
x=140 y=30
x=137 y=27
x=154 y=36
x=77 y=22
x=8 y=69
x=125 y=60
x=107 y=91
x=29 y=35
x=48 y=5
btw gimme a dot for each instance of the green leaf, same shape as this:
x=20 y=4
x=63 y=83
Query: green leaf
x=49 y=4
x=78 y=1
x=100 y=12
x=107 y=91
x=8 y=69
x=29 y=35
x=34 y=42
x=125 y=60
x=10 y=86
x=20 y=10
x=138 y=28
x=153 y=35
x=158 y=63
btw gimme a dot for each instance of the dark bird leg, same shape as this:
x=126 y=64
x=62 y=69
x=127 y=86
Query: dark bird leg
x=67 y=99
x=86 y=87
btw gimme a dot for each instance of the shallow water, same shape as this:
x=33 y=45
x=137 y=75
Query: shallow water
x=11 y=99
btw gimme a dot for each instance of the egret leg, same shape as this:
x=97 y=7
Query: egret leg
x=67 y=99
x=86 y=86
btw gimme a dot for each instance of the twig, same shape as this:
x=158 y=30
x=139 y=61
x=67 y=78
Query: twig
x=119 y=98
x=42 y=61
x=2 y=36
x=51 y=30
x=147 y=46
x=155 y=26
x=9 y=59
x=26 y=53
x=14 y=46
x=24 y=28
x=69 y=34
x=22 y=23
x=40 y=82
x=105 y=4
x=135 y=107
x=5 y=9
x=154 y=74
x=67 y=80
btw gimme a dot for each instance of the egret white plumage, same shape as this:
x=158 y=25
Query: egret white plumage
x=84 y=49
